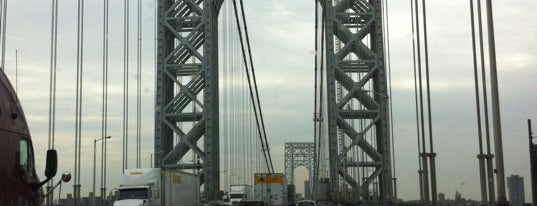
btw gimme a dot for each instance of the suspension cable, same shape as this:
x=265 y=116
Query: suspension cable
x=260 y=128
x=255 y=82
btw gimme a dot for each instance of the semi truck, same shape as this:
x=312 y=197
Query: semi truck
x=158 y=187
x=271 y=188
x=19 y=183
x=240 y=192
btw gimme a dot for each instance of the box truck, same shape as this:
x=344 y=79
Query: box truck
x=158 y=187
x=271 y=188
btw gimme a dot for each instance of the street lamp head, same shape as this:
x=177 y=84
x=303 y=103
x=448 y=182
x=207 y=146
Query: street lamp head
x=102 y=138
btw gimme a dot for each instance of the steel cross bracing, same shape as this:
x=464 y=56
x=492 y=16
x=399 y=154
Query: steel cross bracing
x=353 y=23
x=187 y=77
x=298 y=154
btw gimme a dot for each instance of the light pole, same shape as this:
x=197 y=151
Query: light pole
x=94 y=165
x=533 y=164
x=103 y=171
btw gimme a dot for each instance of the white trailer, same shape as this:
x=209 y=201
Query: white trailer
x=271 y=188
x=156 y=187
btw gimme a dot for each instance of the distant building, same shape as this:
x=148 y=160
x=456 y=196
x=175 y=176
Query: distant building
x=515 y=185
x=441 y=197
x=458 y=197
x=307 y=193
x=84 y=201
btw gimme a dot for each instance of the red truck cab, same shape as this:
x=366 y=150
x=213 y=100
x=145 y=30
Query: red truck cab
x=19 y=184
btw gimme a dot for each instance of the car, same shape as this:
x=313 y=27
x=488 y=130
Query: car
x=251 y=203
x=214 y=203
x=306 y=203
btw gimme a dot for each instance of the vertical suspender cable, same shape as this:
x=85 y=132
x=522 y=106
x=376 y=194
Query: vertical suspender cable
x=429 y=115
x=315 y=114
x=318 y=89
x=418 y=134
x=226 y=97
x=420 y=171
x=155 y=47
x=52 y=88
x=16 y=70
x=125 y=84
x=78 y=128
x=425 y=170
x=489 y=156
x=139 y=87
x=483 y=76
x=233 y=87
x=4 y=28
x=480 y=156
x=52 y=75
x=1 y=29
x=321 y=87
x=234 y=95
x=105 y=102
x=242 y=124
x=496 y=120
x=388 y=62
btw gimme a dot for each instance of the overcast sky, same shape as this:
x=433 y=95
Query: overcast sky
x=282 y=36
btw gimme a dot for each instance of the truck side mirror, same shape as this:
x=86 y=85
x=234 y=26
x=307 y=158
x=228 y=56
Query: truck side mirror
x=66 y=177
x=50 y=169
x=52 y=164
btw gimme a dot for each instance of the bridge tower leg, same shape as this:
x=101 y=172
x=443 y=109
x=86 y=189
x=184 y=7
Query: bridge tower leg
x=357 y=64
x=186 y=103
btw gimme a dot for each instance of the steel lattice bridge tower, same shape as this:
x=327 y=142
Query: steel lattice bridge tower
x=187 y=77
x=187 y=91
x=355 y=61
x=299 y=154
